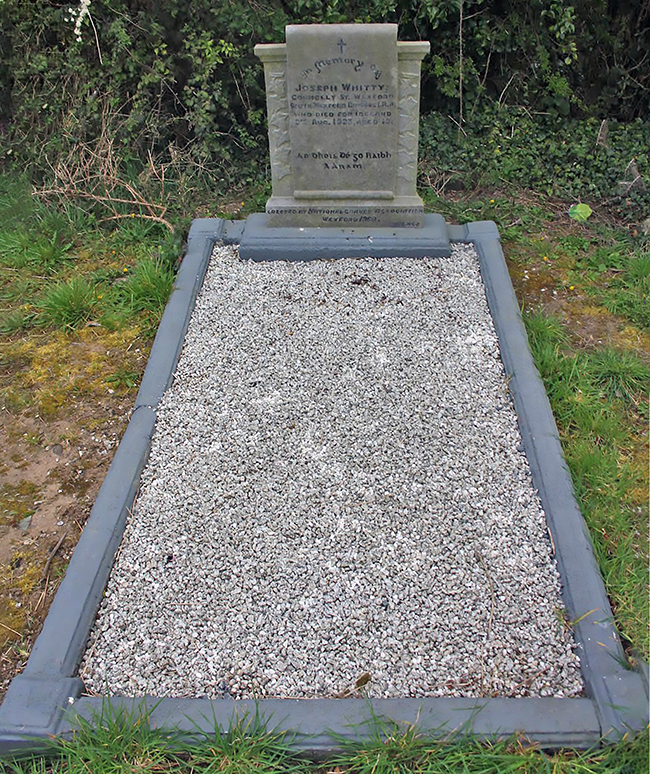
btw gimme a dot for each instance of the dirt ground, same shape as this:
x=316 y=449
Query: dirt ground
x=60 y=424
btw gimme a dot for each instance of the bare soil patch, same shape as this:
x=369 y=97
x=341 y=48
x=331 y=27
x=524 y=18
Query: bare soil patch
x=61 y=423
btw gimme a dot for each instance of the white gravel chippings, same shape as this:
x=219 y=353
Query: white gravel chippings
x=336 y=492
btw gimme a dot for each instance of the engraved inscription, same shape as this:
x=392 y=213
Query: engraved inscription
x=342 y=97
x=402 y=217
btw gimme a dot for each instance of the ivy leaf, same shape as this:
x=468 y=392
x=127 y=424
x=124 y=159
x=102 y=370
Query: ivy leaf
x=580 y=212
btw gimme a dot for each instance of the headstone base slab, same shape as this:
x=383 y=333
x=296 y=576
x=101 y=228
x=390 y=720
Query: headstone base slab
x=261 y=241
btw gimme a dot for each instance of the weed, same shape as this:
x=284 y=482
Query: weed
x=618 y=277
x=17 y=288
x=14 y=400
x=15 y=248
x=638 y=269
x=121 y=739
x=16 y=203
x=140 y=294
x=49 y=253
x=545 y=331
x=16 y=320
x=123 y=377
x=68 y=304
x=44 y=253
x=388 y=748
x=148 y=288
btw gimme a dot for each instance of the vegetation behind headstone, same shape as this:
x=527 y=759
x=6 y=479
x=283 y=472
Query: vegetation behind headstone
x=178 y=80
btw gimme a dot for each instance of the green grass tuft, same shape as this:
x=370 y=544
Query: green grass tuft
x=246 y=747
x=389 y=749
x=16 y=320
x=68 y=304
x=619 y=373
x=149 y=287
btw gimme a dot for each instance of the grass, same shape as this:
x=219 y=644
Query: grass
x=598 y=399
x=68 y=304
x=148 y=288
x=58 y=269
x=619 y=374
x=118 y=741
x=393 y=750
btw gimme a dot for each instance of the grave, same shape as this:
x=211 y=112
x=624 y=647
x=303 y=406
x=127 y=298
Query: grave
x=44 y=699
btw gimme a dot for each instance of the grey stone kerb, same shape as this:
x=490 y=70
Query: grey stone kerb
x=343 y=113
x=45 y=698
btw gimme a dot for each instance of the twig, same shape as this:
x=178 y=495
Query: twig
x=41 y=599
x=8 y=628
x=505 y=88
x=155 y=218
x=99 y=51
x=70 y=191
x=528 y=680
x=460 y=128
x=53 y=553
x=487 y=65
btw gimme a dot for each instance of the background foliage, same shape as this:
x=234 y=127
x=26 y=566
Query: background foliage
x=177 y=80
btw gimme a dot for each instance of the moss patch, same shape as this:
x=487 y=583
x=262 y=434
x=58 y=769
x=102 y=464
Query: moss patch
x=17 y=501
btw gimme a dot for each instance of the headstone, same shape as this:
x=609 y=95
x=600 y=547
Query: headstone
x=343 y=110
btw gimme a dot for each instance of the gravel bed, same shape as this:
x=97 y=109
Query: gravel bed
x=336 y=494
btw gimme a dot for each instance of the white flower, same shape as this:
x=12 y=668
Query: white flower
x=80 y=13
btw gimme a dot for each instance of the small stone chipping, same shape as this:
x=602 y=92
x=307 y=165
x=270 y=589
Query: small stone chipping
x=336 y=494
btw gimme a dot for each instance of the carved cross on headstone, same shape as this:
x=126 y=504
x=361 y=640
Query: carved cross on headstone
x=341 y=45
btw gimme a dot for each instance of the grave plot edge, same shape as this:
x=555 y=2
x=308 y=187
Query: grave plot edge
x=618 y=691
x=43 y=700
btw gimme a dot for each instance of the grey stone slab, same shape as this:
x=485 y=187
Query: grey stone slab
x=343 y=115
x=34 y=708
x=35 y=705
x=322 y=724
x=262 y=242
x=617 y=690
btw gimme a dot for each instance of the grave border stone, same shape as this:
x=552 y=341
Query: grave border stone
x=42 y=701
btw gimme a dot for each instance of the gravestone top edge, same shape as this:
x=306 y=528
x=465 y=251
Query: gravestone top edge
x=343 y=27
x=268 y=52
x=413 y=49
x=406 y=49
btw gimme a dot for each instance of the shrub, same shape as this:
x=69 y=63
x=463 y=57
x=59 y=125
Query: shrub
x=155 y=77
